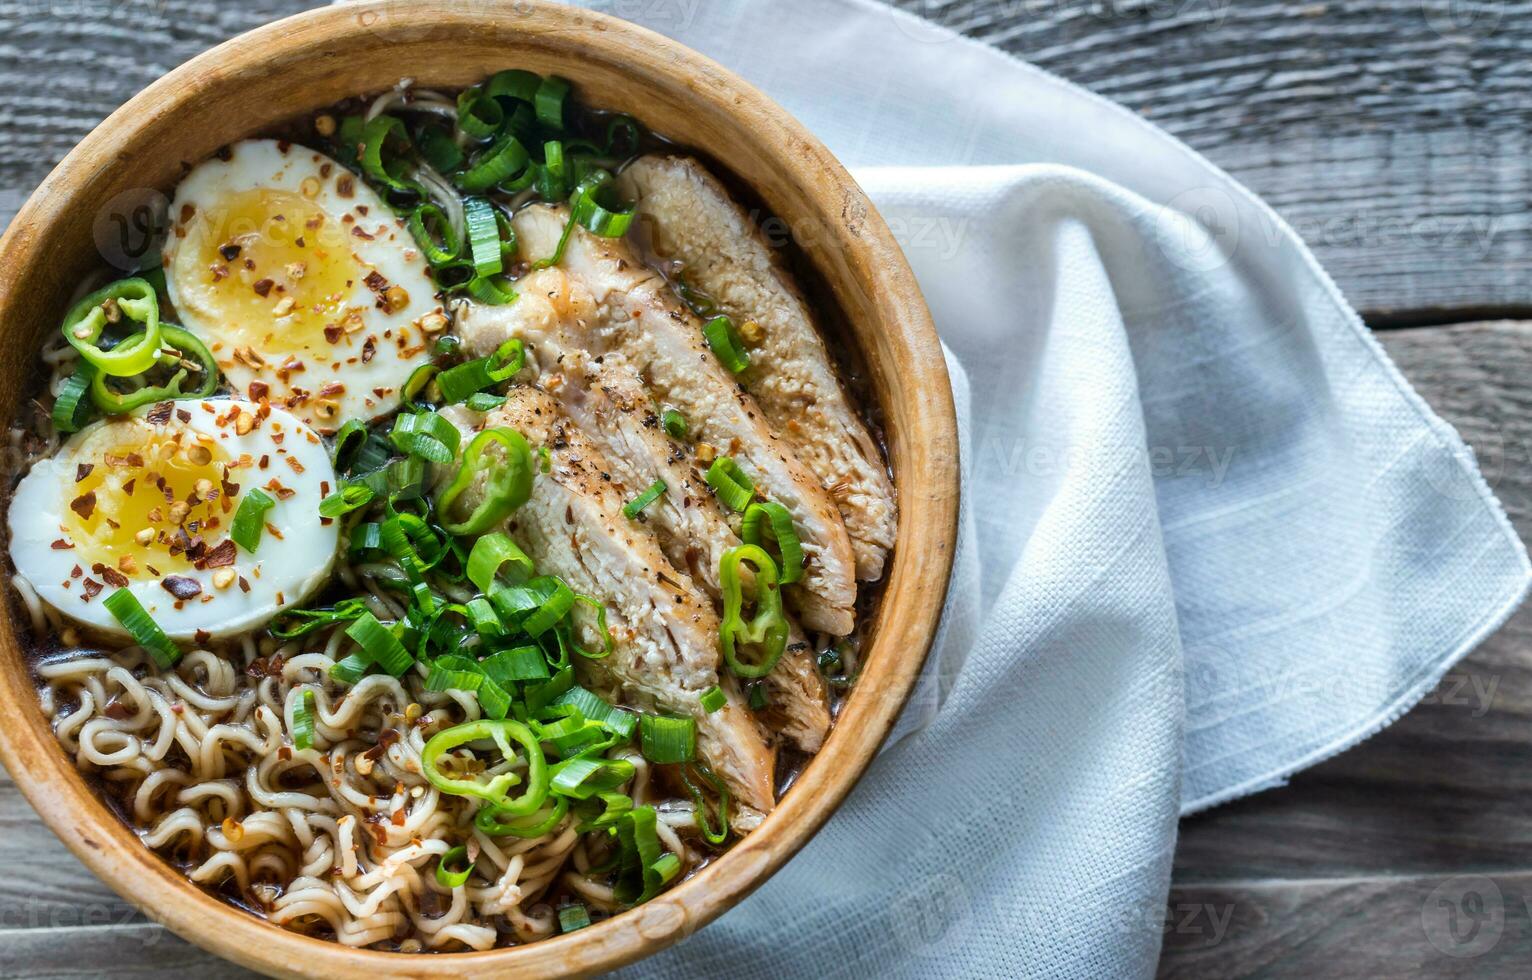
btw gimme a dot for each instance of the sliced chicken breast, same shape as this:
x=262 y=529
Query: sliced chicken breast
x=606 y=399
x=691 y=221
x=667 y=634
x=637 y=315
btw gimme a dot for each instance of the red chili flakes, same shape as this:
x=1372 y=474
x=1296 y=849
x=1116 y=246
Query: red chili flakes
x=183 y=415
x=113 y=577
x=259 y=390
x=345 y=185
x=375 y=281
x=82 y=470
x=130 y=486
x=61 y=545
x=330 y=388
x=369 y=349
x=244 y=585
x=293 y=462
x=219 y=556
x=276 y=487
x=333 y=333
x=262 y=287
x=160 y=413
x=181 y=586
x=201 y=637
x=275 y=532
x=230 y=252
x=92 y=589
x=84 y=505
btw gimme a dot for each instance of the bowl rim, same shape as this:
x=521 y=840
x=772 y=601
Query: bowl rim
x=921 y=562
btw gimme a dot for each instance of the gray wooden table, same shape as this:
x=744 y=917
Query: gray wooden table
x=1394 y=135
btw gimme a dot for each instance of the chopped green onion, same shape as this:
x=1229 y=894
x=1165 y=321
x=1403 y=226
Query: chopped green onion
x=250 y=519
x=542 y=695
x=72 y=410
x=558 y=600
x=426 y=435
x=309 y=620
x=491 y=290
x=594 y=708
x=725 y=345
x=582 y=777
x=438 y=149
x=343 y=501
x=732 y=485
x=493 y=552
x=766 y=632
x=758 y=700
x=713 y=698
x=483 y=236
x=674 y=422
x=714 y=835
x=380 y=645
x=483 y=401
x=771 y=519
x=507 y=486
x=303 y=720
x=454 y=674
x=634 y=507
x=494 y=699
x=454 y=868
x=602 y=811
x=434 y=234
x=503 y=160
x=126 y=609
x=549 y=101
x=382 y=133
x=573 y=917
x=516 y=665
x=643 y=868
x=350 y=669
x=347 y=442
x=665 y=740
x=460 y=382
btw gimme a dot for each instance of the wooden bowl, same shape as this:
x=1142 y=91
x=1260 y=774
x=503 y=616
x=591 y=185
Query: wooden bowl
x=300 y=64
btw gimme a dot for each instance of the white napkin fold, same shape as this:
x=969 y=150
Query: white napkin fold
x=1210 y=536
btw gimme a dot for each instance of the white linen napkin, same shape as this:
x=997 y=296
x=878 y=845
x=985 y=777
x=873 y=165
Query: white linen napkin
x=1209 y=537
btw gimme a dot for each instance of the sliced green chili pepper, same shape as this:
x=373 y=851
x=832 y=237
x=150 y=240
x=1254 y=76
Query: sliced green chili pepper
x=132 y=298
x=767 y=630
x=536 y=825
x=508 y=486
x=188 y=351
x=494 y=789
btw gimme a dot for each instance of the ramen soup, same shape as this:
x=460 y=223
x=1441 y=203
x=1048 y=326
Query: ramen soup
x=459 y=534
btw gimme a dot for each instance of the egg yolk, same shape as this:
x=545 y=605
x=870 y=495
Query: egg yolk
x=272 y=268
x=147 y=500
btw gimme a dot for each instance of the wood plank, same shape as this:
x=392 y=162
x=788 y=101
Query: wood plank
x=1447 y=926
x=119 y=951
x=47 y=887
x=1391 y=133
x=1391 y=140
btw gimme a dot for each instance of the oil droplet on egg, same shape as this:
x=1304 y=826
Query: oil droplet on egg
x=140 y=477
x=271 y=266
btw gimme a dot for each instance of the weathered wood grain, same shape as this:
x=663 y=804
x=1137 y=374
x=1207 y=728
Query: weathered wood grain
x=1472 y=925
x=1392 y=133
x=127 y=951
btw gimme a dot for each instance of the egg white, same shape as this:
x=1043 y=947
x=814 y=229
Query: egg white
x=306 y=287
x=279 y=454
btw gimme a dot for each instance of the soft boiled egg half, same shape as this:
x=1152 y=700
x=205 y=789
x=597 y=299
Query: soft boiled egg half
x=145 y=502
x=308 y=290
